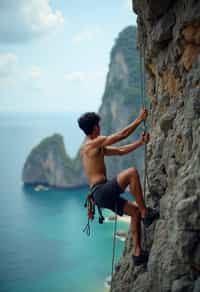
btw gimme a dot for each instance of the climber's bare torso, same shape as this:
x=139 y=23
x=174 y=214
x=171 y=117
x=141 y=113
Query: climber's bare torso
x=93 y=162
x=97 y=146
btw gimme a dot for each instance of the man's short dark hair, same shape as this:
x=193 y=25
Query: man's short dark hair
x=88 y=121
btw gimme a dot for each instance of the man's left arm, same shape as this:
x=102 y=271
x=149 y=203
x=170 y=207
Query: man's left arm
x=122 y=150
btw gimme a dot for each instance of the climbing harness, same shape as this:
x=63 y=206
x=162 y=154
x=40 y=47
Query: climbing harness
x=90 y=205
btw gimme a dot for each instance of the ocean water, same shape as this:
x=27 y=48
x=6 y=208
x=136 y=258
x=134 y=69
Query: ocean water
x=42 y=246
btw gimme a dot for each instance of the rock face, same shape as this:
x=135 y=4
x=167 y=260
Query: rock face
x=49 y=164
x=170 y=33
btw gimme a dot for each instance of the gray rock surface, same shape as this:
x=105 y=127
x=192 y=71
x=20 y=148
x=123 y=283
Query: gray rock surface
x=170 y=33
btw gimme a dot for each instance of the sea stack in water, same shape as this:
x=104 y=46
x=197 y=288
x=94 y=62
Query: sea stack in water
x=49 y=164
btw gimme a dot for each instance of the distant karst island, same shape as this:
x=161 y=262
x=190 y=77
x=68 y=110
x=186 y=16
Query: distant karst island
x=49 y=164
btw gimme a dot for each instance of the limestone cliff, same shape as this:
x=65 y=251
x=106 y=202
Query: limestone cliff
x=121 y=99
x=49 y=164
x=170 y=33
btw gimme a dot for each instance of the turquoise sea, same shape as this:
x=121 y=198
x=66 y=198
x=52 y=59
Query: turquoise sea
x=42 y=246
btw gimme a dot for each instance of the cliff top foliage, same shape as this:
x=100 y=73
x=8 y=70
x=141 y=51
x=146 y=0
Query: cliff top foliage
x=124 y=91
x=126 y=42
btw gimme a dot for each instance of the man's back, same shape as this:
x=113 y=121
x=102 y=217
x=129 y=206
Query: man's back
x=93 y=162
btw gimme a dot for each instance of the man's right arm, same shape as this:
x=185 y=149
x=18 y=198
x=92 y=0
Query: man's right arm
x=102 y=141
x=127 y=131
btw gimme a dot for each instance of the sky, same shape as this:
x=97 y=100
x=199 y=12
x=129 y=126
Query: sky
x=54 y=55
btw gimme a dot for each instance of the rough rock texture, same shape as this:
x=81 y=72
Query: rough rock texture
x=49 y=164
x=170 y=33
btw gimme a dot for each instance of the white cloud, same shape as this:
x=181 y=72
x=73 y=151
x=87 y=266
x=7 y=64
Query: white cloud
x=23 y=20
x=11 y=73
x=75 y=77
x=85 y=35
x=8 y=62
x=85 y=78
x=35 y=72
x=8 y=68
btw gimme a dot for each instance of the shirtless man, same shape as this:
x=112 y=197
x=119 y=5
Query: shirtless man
x=107 y=192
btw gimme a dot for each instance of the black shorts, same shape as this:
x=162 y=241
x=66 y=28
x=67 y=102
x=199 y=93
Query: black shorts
x=107 y=195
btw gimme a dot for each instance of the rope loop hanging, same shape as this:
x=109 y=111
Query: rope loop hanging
x=87 y=228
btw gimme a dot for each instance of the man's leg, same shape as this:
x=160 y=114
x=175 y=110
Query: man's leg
x=133 y=211
x=131 y=177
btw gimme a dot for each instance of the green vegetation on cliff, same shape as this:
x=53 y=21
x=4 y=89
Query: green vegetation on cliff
x=121 y=100
x=127 y=43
